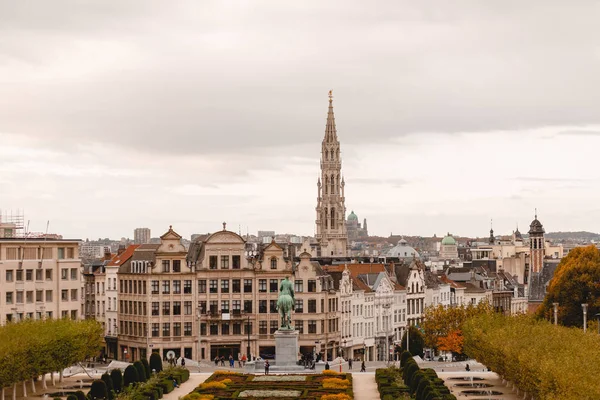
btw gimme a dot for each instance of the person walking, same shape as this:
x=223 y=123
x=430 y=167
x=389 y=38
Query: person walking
x=363 y=368
x=182 y=362
x=231 y=364
x=350 y=364
x=216 y=361
x=267 y=367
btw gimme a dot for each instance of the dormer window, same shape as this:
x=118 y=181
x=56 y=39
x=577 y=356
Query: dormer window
x=273 y=263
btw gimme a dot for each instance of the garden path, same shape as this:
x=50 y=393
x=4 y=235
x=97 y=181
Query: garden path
x=186 y=387
x=364 y=386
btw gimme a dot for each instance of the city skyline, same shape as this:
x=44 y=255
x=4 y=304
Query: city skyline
x=117 y=117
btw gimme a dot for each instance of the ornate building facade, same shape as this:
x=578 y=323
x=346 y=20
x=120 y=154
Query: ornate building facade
x=331 y=230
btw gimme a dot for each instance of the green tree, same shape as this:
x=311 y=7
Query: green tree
x=140 y=370
x=130 y=376
x=415 y=341
x=117 y=379
x=109 y=385
x=155 y=362
x=98 y=390
x=146 y=368
x=576 y=281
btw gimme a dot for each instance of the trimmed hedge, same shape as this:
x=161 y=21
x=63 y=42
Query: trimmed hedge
x=130 y=376
x=141 y=371
x=155 y=387
x=98 y=390
x=423 y=384
x=155 y=362
x=117 y=380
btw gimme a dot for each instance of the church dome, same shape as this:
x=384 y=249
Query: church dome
x=352 y=216
x=536 y=227
x=402 y=250
x=448 y=241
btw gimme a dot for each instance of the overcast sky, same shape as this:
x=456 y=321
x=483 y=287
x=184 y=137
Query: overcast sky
x=123 y=114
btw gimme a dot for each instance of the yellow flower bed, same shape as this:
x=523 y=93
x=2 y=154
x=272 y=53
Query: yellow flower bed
x=198 y=396
x=225 y=372
x=339 y=396
x=335 y=383
x=214 y=385
x=330 y=372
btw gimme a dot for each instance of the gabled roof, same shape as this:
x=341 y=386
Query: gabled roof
x=119 y=259
x=170 y=234
x=357 y=284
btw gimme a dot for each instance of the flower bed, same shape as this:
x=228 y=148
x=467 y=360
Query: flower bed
x=270 y=387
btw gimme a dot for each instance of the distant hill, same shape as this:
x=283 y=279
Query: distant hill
x=581 y=235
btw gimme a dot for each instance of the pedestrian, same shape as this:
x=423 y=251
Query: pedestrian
x=222 y=361
x=327 y=365
x=182 y=362
x=467 y=368
x=231 y=361
x=244 y=359
x=216 y=361
x=267 y=367
x=350 y=364
x=363 y=368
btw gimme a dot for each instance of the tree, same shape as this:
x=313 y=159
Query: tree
x=80 y=395
x=155 y=362
x=98 y=390
x=415 y=341
x=146 y=368
x=452 y=342
x=576 y=280
x=140 y=370
x=117 y=379
x=109 y=385
x=130 y=376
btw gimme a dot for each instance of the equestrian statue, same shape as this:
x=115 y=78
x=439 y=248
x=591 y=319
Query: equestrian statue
x=286 y=303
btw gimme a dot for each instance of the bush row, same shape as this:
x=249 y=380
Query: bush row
x=546 y=361
x=151 y=388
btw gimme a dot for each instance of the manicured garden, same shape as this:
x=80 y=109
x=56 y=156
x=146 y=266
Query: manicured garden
x=329 y=385
x=409 y=381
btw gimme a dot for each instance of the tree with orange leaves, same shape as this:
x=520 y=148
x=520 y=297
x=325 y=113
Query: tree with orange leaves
x=453 y=342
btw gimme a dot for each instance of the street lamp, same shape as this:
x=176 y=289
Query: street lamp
x=584 y=306
x=555 y=313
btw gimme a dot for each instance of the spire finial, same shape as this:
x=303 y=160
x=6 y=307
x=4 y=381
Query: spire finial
x=536 y=213
x=331 y=95
x=224 y=226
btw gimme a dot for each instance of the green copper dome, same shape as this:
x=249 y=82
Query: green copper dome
x=352 y=216
x=448 y=241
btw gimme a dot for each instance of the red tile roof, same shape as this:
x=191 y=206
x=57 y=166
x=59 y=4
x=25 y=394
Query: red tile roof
x=121 y=258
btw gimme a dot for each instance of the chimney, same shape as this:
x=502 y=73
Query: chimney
x=121 y=249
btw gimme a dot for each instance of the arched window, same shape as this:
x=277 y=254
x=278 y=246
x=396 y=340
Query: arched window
x=332 y=184
x=332 y=217
x=413 y=288
x=325 y=219
x=326 y=184
x=331 y=155
x=273 y=263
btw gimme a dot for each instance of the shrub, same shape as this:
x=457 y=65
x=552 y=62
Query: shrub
x=141 y=371
x=71 y=397
x=131 y=376
x=80 y=395
x=221 y=372
x=117 y=380
x=155 y=362
x=166 y=385
x=109 y=385
x=405 y=356
x=335 y=383
x=58 y=398
x=98 y=390
x=338 y=396
x=147 y=369
x=213 y=385
x=330 y=372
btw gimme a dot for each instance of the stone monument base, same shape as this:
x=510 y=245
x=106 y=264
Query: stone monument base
x=286 y=347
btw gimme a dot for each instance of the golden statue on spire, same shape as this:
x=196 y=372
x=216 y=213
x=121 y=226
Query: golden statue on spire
x=330 y=95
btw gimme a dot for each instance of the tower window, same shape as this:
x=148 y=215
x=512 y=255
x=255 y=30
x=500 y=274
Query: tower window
x=273 y=263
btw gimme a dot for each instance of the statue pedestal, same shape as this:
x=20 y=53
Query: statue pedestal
x=286 y=348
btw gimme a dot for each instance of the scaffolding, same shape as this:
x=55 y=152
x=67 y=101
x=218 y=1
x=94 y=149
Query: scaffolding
x=12 y=223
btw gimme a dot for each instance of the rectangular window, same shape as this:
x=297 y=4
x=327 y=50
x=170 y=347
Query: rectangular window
x=224 y=262
x=155 y=328
x=237 y=328
x=299 y=325
x=312 y=326
x=262 y=306
x=273 y=306
x=248 y=328
x=214 y=286
x=203 y=329
x=47 y=253
x=176 y=308
x=73 y=294
x=214 y=328
x=176 y=268
x=225 y=328
x=187 y=329
x=155 y=308
x=39 y=274
x=48 y=296
x=214 y=307
x=166 y=308
x=236 y=262
x=299 y=306
x=9 y=297
x=64 y=274
x=176 y=287
x=61 y=253
x=70 y=253
x=312 y=306
x=225 y=286
x=212 y=262
x=166 y=287
x=29 y=253
x=237 y=307
x=262 y=327
x=187 y=308
x=11 y=253
x=73 y=314
x=29 y=275
x=176 y=328
x=48 y=274
x=248 y=306
x=273 y=285
x=312 y=286
x=247 y=285
x=187 y=287
x=225 y=306
x=64 y=295
x=202 y=286
x=299 y=286
x=236 y=286
x=154 y=285
x=9 y=275
x=166 y=265
x=262 y=286
x=274 y=326
x=29 y=296
x=166 y=329
x=73 y=274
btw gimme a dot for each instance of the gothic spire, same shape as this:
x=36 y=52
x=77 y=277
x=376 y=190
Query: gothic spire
x=330 y=132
